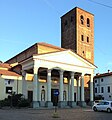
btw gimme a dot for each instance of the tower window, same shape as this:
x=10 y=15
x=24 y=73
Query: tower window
x=82 y=37
x=88 y=39
x=82 y=19
x=72 y=18
x=83 y=52
x=88 y=22
x=65 y=23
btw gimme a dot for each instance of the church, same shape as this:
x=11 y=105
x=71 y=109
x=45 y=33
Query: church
x=57 y=75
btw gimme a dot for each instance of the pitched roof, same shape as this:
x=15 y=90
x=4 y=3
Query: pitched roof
x=5 y=65
x=35 y=46
x=103 y=75
x=8 y=73
x=50 y=45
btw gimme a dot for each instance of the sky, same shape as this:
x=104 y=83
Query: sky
x=26 y=22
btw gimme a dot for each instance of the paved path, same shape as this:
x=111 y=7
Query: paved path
x=45 y=114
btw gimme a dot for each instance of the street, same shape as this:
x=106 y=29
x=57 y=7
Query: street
x=47 y=114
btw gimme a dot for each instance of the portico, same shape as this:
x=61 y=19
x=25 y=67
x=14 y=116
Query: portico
x=64 y=71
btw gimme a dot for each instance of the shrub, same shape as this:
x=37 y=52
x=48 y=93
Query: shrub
x=16 y=100
x=23 y=103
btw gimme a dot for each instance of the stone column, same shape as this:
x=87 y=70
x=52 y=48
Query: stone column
x=61 y=103
x=91 y=90
x=78 y=90
x=69 y=93
x=72 y=102
x=49 y=103
x=72 y=86
x=35 y=88
x=24 y=84
x=83 y=104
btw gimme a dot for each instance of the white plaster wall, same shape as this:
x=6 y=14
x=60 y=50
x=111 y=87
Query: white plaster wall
x=107 y=81
x=3 y=85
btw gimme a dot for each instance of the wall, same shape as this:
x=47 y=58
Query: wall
x=107 y=81
x=13 y=84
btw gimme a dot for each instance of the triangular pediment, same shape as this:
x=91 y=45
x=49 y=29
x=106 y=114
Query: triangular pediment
x=66 y=57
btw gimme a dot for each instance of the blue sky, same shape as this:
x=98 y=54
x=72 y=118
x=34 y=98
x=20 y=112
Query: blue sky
x=26 y=22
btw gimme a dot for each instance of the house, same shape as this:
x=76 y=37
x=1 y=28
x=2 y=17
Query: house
x=10 y=81
x=103 y=86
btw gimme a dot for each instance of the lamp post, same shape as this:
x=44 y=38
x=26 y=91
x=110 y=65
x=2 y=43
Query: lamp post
x=10 y=92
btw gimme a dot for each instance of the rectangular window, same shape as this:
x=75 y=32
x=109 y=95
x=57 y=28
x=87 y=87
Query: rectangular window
x=88 y=39
x=65 y=23
x=108 y=89
x=72 y=18
x=82 y=37
x=8 y=89
x=102 y=90
x=95 y=90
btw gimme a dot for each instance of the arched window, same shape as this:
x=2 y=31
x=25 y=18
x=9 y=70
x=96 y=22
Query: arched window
x=64 y=95
x=82 y=19
x=43 y=95
x=88 y=22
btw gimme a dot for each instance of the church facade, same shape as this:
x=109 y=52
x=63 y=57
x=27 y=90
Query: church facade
x=46 y=68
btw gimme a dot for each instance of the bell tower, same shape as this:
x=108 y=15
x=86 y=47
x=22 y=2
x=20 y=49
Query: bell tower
x=77 y=33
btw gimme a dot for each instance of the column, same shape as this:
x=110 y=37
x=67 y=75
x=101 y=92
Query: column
x=69 y=90
x=35 y=88
x=61 y=87
x=91 y=90
x=24 y=84
x=72 y=86
x=72 y=103
x=61 y=103
x=78 y=90
x=83 y=104
x=49 y=103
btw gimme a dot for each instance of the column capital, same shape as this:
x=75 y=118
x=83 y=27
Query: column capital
x=72 y=73
x=35 y=69
x=23 y=72
x=49 y=70
x=61 y=72
x=82 y=74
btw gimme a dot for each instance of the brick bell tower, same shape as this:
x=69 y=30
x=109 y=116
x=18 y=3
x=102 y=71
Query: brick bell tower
x=77 y=33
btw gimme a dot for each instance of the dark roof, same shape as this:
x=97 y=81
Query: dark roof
x=75 y=9
x=103 y=75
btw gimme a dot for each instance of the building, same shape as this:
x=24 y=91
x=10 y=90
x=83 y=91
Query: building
x=77 y=34
x=103 y=86
x=9 y=81
x=47 y=68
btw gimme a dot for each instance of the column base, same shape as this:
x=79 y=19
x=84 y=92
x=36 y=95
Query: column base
x=42 y=103
x=91 y=103
x=62 y=104
x=82 y=103
x=49 y=104
x=35 y=104
x=72 y=104
x=78 y=103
